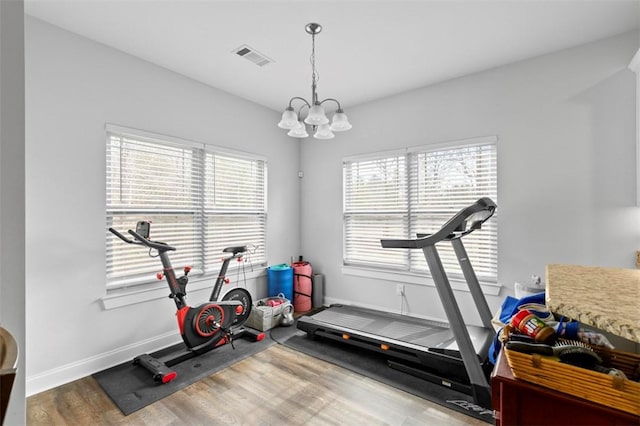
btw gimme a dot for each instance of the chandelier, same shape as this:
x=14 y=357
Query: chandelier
x=316 y=117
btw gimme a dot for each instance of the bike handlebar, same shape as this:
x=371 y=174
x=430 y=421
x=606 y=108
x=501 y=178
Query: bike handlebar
x=119 y=235
x=161 y=247
x=236 y=251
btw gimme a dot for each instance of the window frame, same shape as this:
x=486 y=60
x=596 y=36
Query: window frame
x=405 y=272
x=145 y=282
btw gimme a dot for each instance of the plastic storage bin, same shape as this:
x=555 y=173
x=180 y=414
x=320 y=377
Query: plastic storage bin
x=280 y=280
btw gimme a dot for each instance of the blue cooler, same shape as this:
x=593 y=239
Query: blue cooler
x=280 y=280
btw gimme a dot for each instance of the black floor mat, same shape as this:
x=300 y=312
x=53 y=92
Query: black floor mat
x=131 y=387
x=375 y=367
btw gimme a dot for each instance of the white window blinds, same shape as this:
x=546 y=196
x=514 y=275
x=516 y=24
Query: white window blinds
x=401 y=195
x=198 y=201
x=234 y=205
x=375 y=207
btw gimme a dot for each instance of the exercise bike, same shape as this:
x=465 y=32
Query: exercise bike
x=204 y=327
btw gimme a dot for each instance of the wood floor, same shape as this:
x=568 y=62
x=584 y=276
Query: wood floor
x=278 y=386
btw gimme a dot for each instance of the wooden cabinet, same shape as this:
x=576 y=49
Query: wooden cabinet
x=517 y=402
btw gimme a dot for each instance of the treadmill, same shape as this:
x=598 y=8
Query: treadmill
x=452 y=354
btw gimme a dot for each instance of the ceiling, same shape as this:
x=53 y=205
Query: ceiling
x=367 y=49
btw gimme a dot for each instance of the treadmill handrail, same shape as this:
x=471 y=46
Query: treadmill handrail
x=453 y=229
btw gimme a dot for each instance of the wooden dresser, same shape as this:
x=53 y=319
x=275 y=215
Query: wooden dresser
x=517 y=402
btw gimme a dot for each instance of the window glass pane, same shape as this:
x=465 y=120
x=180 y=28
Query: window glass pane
x=234 y=183
x=481 y=246
x=362 y=240
x=453 y=177
x=133 y=261
x=234 y=230
x=150 y=175
x=442 y=183
x=375 y=185
x=375 y=207
x=235 y=206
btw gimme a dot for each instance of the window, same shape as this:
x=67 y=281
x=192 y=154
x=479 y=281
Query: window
x=400 y=194
x=198 y=198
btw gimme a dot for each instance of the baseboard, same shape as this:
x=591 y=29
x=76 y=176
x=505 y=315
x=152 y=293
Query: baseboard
x=76 y=370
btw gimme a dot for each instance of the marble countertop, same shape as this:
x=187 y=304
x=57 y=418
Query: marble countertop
x=605 y=298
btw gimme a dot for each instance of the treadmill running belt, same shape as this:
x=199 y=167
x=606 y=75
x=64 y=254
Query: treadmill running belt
x=419 y=332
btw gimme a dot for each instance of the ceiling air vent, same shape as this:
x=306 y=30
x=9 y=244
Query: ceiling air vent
x=252 y=55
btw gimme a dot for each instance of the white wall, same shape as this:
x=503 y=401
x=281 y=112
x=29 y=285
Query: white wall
x=566 y=167
x=73 y=87
x=12 y=197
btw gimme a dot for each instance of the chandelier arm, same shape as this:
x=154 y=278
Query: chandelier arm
x=299 y=98
x=331 y=99
x=301 y=108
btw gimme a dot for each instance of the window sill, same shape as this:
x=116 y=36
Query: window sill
x=488 y=288
x=120 y=297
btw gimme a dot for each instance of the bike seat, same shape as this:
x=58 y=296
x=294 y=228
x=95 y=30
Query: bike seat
x=235 y=249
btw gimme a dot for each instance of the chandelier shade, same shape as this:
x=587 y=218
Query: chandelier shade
x=340 y=122
x=289 y=119
x=324 y=132
x=316 y=116
x=299 y=132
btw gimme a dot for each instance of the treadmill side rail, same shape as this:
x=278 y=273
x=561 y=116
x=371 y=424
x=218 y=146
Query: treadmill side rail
x=479 y=383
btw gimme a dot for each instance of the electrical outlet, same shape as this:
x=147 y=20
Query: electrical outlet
x=638 y=259
x=399 y=289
